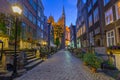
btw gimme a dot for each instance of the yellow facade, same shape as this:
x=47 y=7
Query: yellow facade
x=5 y=41
x=27 y=45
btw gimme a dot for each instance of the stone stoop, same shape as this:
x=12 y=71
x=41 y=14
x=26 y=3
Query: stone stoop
x=32 y=61
x=2 y=70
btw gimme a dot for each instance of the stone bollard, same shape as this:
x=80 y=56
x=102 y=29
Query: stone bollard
x=4 y=62
x=38 y=54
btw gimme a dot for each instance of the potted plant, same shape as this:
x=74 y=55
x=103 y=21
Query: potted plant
x=93 y=61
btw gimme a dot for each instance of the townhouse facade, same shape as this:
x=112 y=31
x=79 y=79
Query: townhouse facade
x=81 y=24
x=102 y=25
x=32 y=22
x=112 y=26
x=67 y=37
x=73 y=41
x=32 y=29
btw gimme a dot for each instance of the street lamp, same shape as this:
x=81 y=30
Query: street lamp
x=18 y=11
x=49 y=36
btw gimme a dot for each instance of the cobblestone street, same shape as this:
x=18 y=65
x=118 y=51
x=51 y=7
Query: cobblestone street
x=62 y=66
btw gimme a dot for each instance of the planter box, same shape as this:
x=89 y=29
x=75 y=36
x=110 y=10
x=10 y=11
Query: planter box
x=114 y=51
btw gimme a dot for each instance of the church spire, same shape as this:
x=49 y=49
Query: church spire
x=63 y=12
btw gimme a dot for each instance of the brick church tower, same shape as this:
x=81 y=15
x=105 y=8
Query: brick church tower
x=62 y=22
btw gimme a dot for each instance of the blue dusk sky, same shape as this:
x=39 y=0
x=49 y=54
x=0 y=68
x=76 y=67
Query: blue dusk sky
x=55 y=7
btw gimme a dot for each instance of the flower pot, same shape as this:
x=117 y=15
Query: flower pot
x=94 y=70
x=85 y=63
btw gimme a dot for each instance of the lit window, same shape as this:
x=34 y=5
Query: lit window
x=109 y=16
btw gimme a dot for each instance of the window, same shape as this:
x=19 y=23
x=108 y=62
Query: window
x=23 y=30
x=91 y=38
x=25 y=11
x=90 y=20
x=39 y=14
x=42 y=18
x=109 y=16
x=34 y=20
x=38 y=23
x=29 y=29
x=34 y=33
x=82 y=19
x=94 y=1
x=97 y=31
x=30 y=16
x=106 y=2
x=110 y=38
x=8 y=31
x=118 y=10
x=42 y=26
x=89 y=7
x=83 y=29
x=41 y=34
x=96 y=15
x=33 y=4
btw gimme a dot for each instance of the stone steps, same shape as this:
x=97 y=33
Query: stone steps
x=33 y=64
x=31 y=57
x=32 y=61
x=2 y=71
x=28 y=55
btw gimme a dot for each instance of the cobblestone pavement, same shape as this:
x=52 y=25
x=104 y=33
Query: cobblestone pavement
x=62 y=66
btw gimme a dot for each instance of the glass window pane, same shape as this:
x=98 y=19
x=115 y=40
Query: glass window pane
x=106 y=2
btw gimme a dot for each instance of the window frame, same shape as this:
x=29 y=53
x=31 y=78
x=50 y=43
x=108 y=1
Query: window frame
x=110 y=37
x=116 y=10
x=94 y=2
x=106 y=15
x=90 y=19
x=105 y=3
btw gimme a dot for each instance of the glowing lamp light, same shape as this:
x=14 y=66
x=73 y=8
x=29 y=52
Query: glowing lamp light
x=17 y=9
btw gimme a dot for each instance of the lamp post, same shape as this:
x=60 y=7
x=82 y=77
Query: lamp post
x=49 y=30
x=17 y=10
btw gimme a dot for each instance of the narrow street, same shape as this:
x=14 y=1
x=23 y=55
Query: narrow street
x=61 y=66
